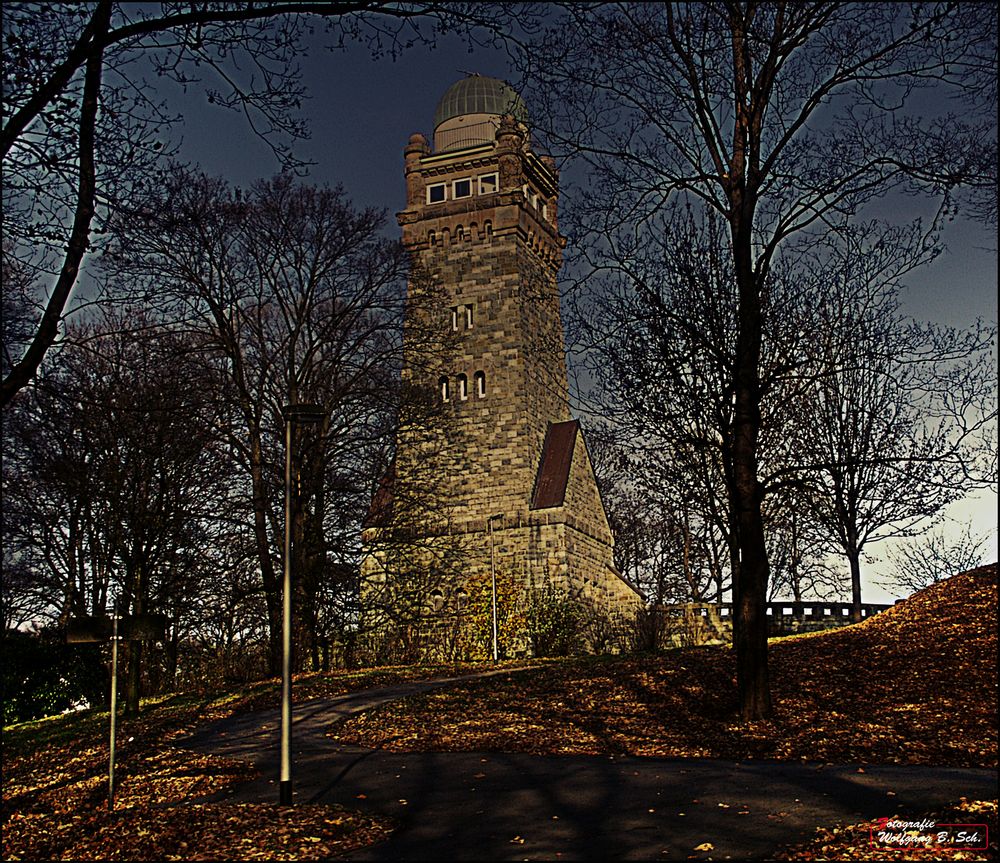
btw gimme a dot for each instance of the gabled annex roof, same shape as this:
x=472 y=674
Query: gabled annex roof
x=553 y=468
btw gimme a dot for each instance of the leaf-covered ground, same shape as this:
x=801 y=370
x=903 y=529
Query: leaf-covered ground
x=916 y=684
x=55 y=785
x=854 y=841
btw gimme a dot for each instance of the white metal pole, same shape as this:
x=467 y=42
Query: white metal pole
x=114 y=706
x=493 y=581
x=285 y=786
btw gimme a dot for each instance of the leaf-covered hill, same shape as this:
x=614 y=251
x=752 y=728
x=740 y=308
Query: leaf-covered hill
x=916 y=684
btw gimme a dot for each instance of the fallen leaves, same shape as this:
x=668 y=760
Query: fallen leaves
x=853 y=842
x=195 y=831
x=55 y=786
x=915 y=684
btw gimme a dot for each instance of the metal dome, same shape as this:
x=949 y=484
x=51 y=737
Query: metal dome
x=479 y=95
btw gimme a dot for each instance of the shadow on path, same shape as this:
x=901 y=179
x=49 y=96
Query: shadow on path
x=491 y=806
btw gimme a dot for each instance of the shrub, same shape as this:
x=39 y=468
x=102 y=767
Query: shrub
x=553 y=622
x=42 y=676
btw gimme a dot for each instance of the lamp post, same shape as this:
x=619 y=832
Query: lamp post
x=493 y=586
x=292 y=414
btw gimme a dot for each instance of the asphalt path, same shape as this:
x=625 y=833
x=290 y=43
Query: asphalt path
x=494 y=806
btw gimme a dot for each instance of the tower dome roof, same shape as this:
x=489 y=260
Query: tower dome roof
x=480 y=95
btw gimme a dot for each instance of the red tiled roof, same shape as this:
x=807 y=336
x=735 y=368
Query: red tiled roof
x=553 y=468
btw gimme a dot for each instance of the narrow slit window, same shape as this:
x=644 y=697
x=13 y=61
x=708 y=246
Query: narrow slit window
x=463 y=387
x=468 y=316
x=444 y=388
x=436 y=193
x=480 y=385
x=461 y=188
x=454 y=317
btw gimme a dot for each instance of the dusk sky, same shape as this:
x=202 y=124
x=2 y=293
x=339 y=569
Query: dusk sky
x=361 y=113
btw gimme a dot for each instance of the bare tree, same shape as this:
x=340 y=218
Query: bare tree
x=903 y=418
x=84 y=128
x=798 y=551
x=779 y=117
x=115 y=476
x=936 y=555
x=298 y=299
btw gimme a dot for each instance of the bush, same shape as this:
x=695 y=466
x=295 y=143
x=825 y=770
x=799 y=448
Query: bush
x=42 y=676
x=553 y=623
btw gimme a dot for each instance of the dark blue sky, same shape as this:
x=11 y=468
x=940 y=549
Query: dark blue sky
x=361 y=113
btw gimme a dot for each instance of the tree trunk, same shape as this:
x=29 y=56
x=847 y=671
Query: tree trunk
x=272 y=589
x=854 y=558
x=79 y=239
x=750 y=584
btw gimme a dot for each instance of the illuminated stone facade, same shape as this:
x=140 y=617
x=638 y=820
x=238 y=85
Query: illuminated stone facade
x=512 y=487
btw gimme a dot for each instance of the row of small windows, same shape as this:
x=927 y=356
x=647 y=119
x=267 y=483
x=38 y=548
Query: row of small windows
x=461 y=316
x=486 y=184
x=462 y=387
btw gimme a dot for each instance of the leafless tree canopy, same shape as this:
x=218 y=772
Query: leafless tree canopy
x=781 y=118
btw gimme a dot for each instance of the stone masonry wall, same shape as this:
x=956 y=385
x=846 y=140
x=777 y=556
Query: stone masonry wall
x=479 y=456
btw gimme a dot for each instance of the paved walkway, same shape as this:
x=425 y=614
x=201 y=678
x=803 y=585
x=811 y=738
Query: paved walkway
x=489 y=806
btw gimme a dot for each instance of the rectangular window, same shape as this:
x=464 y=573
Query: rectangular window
x=468 y=316
x=488 y=184
x=436 y=193
x=454 y=317
x=545 y=211
x=461 y=188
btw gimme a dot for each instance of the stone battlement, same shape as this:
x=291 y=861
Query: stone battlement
x=714 y=621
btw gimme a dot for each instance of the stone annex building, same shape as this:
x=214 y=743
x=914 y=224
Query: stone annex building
x=492 y=478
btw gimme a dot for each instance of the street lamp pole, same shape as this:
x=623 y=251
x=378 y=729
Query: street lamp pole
x=292 y=413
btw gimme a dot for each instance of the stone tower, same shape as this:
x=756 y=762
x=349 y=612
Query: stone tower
x=505 y=481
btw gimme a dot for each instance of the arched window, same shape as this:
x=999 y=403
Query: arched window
x=436 y=600
x=463 y=387
x=445 y=389
x=480 y=384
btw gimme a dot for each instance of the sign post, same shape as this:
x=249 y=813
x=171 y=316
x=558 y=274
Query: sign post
x=134 y=627
x=114 y=708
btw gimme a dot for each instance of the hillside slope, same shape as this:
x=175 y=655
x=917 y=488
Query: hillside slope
x=913 y=685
